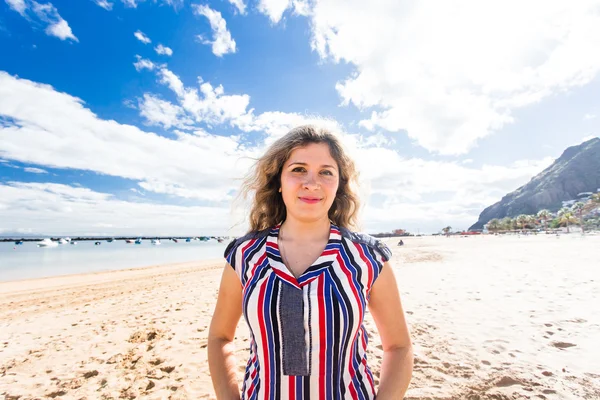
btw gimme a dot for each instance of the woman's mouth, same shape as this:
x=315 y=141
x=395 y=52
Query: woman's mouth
x=310 y=200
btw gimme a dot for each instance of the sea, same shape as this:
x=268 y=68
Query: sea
x=28 y=261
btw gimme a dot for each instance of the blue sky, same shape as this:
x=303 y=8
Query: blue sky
x=139 y=117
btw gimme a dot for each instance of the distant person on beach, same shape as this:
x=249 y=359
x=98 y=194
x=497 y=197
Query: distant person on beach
x=401 y=242
x=302 y=279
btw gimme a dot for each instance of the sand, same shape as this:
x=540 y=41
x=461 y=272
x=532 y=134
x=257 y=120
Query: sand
x=491 y=318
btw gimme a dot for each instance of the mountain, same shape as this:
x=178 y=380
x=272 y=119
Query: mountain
x=576 y=171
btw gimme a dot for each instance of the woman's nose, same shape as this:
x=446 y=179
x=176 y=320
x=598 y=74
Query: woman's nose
x=310 y=182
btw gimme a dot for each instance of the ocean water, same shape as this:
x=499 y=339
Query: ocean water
x=29 y=261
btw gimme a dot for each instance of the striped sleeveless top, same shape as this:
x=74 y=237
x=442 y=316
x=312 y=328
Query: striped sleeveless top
x=308 y=340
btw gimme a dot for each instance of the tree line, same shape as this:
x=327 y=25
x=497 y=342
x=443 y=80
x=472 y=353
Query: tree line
x=580 y=213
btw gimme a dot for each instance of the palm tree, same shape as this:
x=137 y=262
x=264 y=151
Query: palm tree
x=522 y=220
x=493 y=225
x=544 y=215
x=593 y=203
x=447 y=230
x=578 y=209
x=507 y=223
x=565 y=216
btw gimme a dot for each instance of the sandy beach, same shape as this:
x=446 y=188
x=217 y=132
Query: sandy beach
x=491 y=318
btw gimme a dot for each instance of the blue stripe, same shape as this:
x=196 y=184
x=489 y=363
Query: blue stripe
x=345 y=327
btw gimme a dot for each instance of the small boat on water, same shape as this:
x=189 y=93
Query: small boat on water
x=130 y=241
x=138 y=241
x=155 y=242
x=63 y=241
x=47 y=243
x=188 y=240
x=73 y=243
x=110 y=240
x=97 y=243
x=19 y=242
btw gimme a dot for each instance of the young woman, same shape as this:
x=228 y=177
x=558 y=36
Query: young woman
x=303 y=282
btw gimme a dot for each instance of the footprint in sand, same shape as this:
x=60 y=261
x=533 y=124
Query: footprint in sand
x=562 y=345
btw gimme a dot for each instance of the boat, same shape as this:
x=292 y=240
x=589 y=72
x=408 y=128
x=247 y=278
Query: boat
x=110 y=240
x=138 y=241
x=73 y=243
x=155 y=242
x=62 y=241
x=175 y=240
x=47 y=243
x=97 y=243
x=188 y=240
x=19 y=242
x=130 y=241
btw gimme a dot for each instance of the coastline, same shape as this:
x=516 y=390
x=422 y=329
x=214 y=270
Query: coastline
x=490 y=317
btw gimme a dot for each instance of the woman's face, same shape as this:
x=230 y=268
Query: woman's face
x=309 y=182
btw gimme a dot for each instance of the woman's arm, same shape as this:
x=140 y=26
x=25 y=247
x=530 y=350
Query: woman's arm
x=386 y=308
x=221 y=358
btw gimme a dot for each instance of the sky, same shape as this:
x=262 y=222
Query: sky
x=141 y=117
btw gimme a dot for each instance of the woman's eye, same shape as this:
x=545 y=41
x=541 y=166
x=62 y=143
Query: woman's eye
x=327 y=172
x=298 y=169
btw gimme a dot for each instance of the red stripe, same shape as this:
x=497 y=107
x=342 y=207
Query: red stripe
x=353 y=391
x=258 y=262
x=367 y=264
x=263 y=334
x=364 y=361
x=322 y=339
x=288 y=278
x=292 y=391
x=358 y=317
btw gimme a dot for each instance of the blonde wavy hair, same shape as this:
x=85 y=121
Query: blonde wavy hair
x=264 y=180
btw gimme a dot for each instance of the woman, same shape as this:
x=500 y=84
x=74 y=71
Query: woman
x=302 y=280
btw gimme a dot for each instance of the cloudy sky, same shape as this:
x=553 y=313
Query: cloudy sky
x=140 y=116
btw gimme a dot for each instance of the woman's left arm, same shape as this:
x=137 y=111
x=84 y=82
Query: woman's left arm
x=386 y=308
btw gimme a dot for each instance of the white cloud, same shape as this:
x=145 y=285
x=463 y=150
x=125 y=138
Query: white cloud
x=54 y=129
x=176 y=4
x=222 y=42
x=142 y=37
x=449 y=74
x=143 y=63
x=26 y=207
x=163 y=50
x=61 y=30
x=18 y=6
x=104 y=4
x=163 y=113
x=274 y=9
x=45 y=14
x=35 y=170
x=589 y=116
x=239 y=5
x=131 y=3
x=168 y=78
x=301 y=7
x=428 y=195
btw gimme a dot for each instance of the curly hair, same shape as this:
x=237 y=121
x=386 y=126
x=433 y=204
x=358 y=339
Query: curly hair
x=268 y=208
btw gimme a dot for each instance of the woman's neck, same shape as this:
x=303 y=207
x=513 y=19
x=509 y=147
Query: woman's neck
x=299 y=231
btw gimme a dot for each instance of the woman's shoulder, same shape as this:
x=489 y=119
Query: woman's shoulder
x=237 y=242
x=369 y=241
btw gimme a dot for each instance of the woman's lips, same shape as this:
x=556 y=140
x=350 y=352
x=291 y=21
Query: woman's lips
x=309 y=200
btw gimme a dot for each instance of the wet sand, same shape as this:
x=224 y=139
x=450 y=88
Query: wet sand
x=490 y=317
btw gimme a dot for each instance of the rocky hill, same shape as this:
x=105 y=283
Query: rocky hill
x=577 y=170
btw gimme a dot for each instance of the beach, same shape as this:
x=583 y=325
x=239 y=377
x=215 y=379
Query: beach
x=491 y=317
